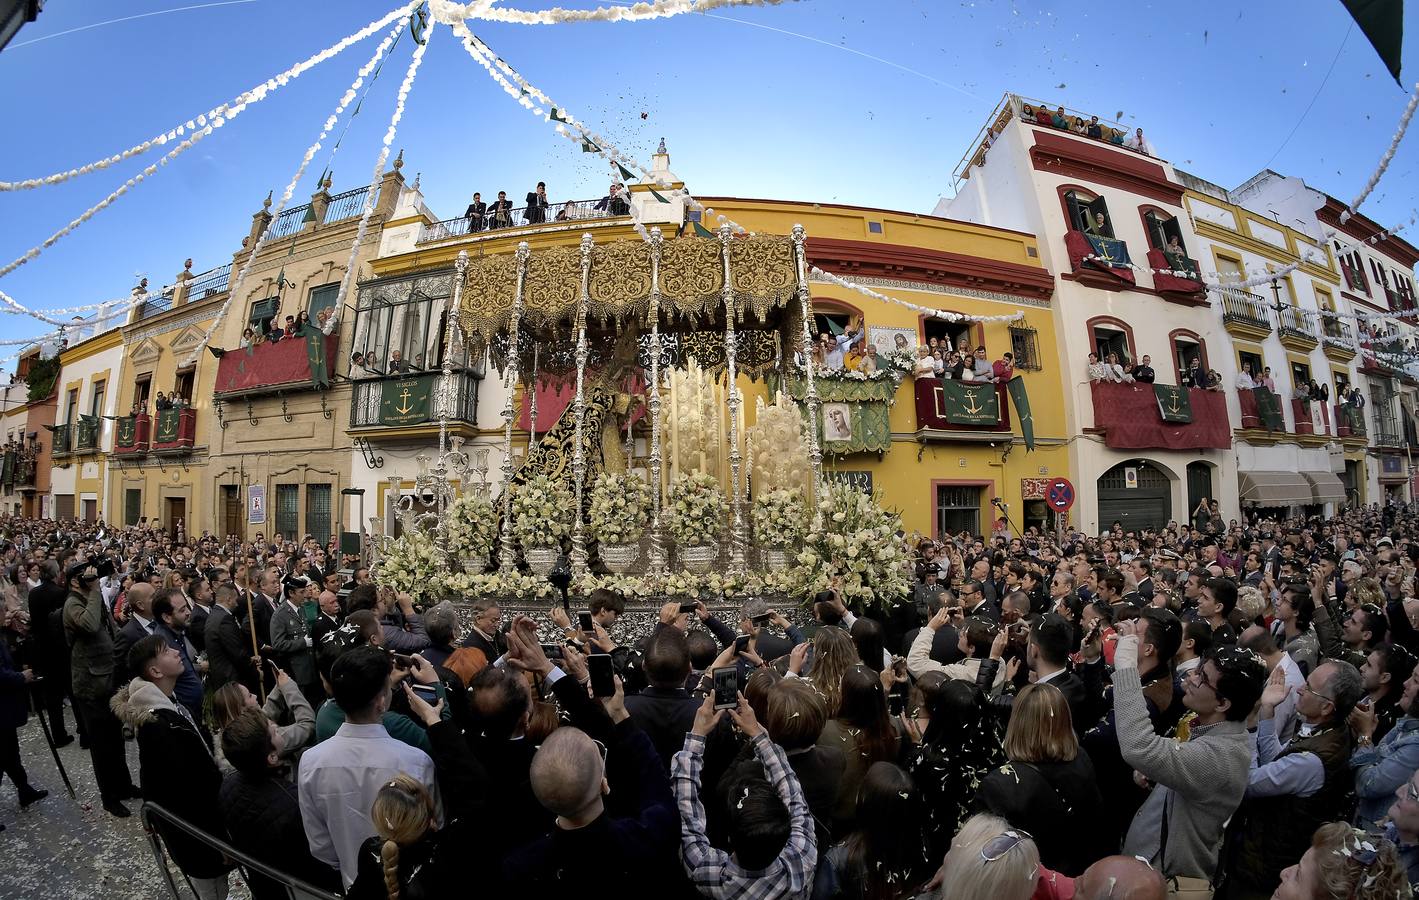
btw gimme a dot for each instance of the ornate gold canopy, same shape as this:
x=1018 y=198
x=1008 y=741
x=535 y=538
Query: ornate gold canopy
x=618 y=282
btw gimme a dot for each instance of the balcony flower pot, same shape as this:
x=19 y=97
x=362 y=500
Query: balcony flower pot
x=619 y=558
x=542 y=560
x=699 y=558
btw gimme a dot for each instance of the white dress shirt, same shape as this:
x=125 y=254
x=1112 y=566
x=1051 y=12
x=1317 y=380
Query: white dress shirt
x=338 y=781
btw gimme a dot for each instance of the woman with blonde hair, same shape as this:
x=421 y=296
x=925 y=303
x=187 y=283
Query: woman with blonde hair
x=833 y=654
x=1345 y=863
x=988 y=858
x=1048 y=787
x=410 y=857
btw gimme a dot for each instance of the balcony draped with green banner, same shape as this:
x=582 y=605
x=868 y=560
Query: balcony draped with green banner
x=1261 y=409
x=1160 y=417
x=855 y=413
x=88 y=438
x=407 y=401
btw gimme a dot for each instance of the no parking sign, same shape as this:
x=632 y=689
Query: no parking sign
x=1060 y=495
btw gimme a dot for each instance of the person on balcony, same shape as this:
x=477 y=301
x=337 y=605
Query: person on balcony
x=536 y=212
x=249 y=339
x=981 y=367
x=567 y=212
x=1094 y=129
x=938 y=361
x=1004 y=368
x=475 y=213
x=1143 y=372
x=291 y=328
x=1097 y=225
x=1266 y=380
x=1059 y=119
x=1097 y=370
x=398 y=365
x=1116 y=370
x=1139 y=143
x=923 y=366
x=1078 y=126
x=500 y=213
x=1244 y=380
x=833 y=356
x=956 y=368
x=162 y=403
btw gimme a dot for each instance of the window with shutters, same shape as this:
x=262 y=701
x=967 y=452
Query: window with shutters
x=132 y=506
x=957 y=509
x=321 y=299
x=288 y=510
x=317 y=511
x=1024 y=344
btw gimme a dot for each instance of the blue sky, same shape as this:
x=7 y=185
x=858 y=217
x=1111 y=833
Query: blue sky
x=746 y=108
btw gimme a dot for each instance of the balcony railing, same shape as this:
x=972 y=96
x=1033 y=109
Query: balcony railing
x=289 y=222
x=1244 y=307
x=63 y=441
x=213 y=281
x=411 y=400
x=153 y=305
x=130 y=435
x=1296 y=323
x=346 y=206
x=570 y=211
x=1337 y=332
x=1387 y=436
x=25 y=473
x=292 y=363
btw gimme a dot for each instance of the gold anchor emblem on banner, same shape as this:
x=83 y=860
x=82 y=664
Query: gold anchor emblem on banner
x=1174 y=408
x=973 y=409
x=406 y=408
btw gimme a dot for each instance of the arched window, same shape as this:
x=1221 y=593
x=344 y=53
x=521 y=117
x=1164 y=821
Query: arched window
x=1162 y=228
x=1109 y=335
x=1187 y=346
x=1088 y=212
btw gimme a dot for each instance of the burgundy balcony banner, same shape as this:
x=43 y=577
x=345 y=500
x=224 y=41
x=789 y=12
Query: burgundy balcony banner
x=1130 y=418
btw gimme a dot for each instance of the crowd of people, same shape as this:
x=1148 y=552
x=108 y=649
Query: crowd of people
x=1208 y=709
x=851 y=350
x=537 y=209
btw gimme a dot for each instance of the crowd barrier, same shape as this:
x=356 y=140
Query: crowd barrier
x=152 y=815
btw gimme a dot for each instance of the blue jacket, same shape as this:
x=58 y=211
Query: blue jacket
x=14 y=692
x=188 y=690
x=1381 y=769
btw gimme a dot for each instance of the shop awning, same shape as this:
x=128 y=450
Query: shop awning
x=1325 y=487
x=1274 y=488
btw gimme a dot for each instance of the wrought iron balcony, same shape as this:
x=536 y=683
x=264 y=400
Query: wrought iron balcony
x=339 y=208
x=86 y=434
x=411 y=400
x=213 y=281
x=1297 y=326
x=130 y=435
x=517 y=217
x=1244 y=308
x=175 y=430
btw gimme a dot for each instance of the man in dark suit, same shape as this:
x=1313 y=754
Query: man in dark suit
x=945 y=647
x=665 y=711
x=1047 y=653
x=973 y=602
x=199 y=596
x=328 y=618
x=536 y=212
x=139 y=609
x=1143 y=574
x=1143 y=372
x=263 y=604
x=46 y=604
x=229 y=652
x=14 y=712
x=500 y=212
x=475 y=212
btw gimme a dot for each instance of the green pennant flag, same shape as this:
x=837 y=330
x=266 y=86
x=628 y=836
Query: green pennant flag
x=657 y=196
x=558 y=117
x=315 y=355
x=1174 y=404
x=406 y=401
x=1382 y=21
x=1016 y=388
x=309 y=214
x=702 y=231
x=589 y=147
x=1268 y=407
x=626 y=173
x=88 y=433
x=168 y=421
x=967 y=403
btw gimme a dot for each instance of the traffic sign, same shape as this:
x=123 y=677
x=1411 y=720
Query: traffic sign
x=1060 y=495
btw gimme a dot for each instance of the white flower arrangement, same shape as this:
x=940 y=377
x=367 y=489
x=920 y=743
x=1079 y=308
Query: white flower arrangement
x=620 y=507
x=412 y=564
x=471 y=525
x=780 y=518
x=856 y=542
x=498 y=584
x=632 y=587
x=542 y=510
x=696 y=509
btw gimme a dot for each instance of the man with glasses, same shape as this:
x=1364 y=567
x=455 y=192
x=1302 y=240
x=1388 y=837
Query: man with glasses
x=1200 y=777
x=1293 y=789
x=974 y=604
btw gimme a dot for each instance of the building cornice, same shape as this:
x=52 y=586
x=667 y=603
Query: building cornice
x=1094 y=163
x=938 y=267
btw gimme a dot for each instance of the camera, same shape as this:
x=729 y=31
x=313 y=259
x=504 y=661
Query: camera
x=92 y=569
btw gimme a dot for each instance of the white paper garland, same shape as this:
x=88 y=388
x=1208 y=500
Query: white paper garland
x=446 y=12
x=389 y=134
x=228 y=110
x=914 y=307
x=234 y=291
x=1386 y=159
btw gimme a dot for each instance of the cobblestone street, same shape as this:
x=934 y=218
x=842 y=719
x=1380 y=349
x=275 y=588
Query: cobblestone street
x=69 y=848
